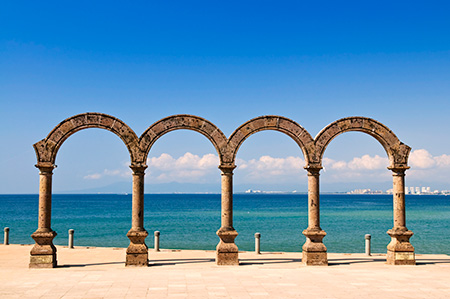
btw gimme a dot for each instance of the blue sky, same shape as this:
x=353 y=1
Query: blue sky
x=227 y=62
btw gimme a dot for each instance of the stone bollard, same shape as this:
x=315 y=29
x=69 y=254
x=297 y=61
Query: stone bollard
x=71 y=232
x=257 y=243
x=6 y=239
x=157 y=233
x=368 y=237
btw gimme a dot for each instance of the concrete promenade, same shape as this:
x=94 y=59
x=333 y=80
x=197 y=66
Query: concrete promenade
x=101 y=273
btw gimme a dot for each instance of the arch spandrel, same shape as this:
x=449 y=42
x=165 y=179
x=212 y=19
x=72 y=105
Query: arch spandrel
x=397 y=151
x=271 y=122
x=179 y=122
x=47 y=149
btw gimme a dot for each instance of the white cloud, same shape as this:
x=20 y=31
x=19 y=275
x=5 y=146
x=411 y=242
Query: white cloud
x=443 y=160
x=421 y=158
x=359 y=169
x=108 y=173
x=112 y=172
x=191 y=168
x=428 y=168
x=362 y=163
x=367 y=162
x=267 y=167
x=187 y=168
x=94 y=176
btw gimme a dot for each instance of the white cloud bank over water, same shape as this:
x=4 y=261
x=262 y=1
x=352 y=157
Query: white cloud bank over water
x=422 y=159
x=191 y=168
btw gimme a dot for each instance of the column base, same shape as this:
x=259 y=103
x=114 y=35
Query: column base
x=137 y=251
x=314 y=251
x=43 y=253
x=314 y=258
x=400 y=251
x=227 y=253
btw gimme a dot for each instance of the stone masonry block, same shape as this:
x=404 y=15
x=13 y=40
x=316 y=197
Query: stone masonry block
x=158 y=128
x=107 y=121
x=218 y=138
x=66 y=127
x=56 y=136
x=247 y=129
x=258 y=123
x=93 y=119
x=356 y=122
x=236 y=139
x=79 y=120
x=289 y=127
x=271 y=121
x=333 y=130
x=208 y=127
x=345 y=124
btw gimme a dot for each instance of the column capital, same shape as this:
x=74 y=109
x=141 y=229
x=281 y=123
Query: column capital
x=398 y=170
x=138 y=169
x=227 y=168
x=45 y=167
x=313 y=169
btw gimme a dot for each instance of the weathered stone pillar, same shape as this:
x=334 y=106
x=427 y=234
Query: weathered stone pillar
x=43 y=253
x=314 y=251
x=399 y=251
x=226 y=250
x=137 y=251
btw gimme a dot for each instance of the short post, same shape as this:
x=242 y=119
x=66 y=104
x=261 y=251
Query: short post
x=6 y=239
x=257 y=243
x=368 y=237
x=71 y=232
x=157 y=233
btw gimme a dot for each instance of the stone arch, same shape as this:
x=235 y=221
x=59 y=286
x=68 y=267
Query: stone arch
x=271 y=122
x=397 y=151
x=47 y=148
x=178 y=122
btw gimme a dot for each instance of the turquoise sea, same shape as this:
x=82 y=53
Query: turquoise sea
x=190 y=221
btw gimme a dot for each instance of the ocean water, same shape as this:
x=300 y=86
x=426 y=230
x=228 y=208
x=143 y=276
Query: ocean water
x=190 y=221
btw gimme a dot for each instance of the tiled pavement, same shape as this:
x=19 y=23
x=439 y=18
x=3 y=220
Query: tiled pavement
x=100 y=273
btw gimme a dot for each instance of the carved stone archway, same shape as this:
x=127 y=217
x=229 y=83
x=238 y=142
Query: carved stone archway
x=43 y=254
x=400 y=251
x=227 y=251
x=397 y=152
x=186 y=122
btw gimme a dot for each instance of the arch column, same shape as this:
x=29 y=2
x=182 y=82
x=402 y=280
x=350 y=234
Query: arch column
x=137 y=251
x=226 y=250
x=399 y=251
x=43 y=253
x=314 y=251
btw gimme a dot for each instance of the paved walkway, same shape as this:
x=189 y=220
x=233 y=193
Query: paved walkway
x=100 y=273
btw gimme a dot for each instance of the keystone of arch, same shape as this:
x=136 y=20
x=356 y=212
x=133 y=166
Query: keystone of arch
x=397 y=151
